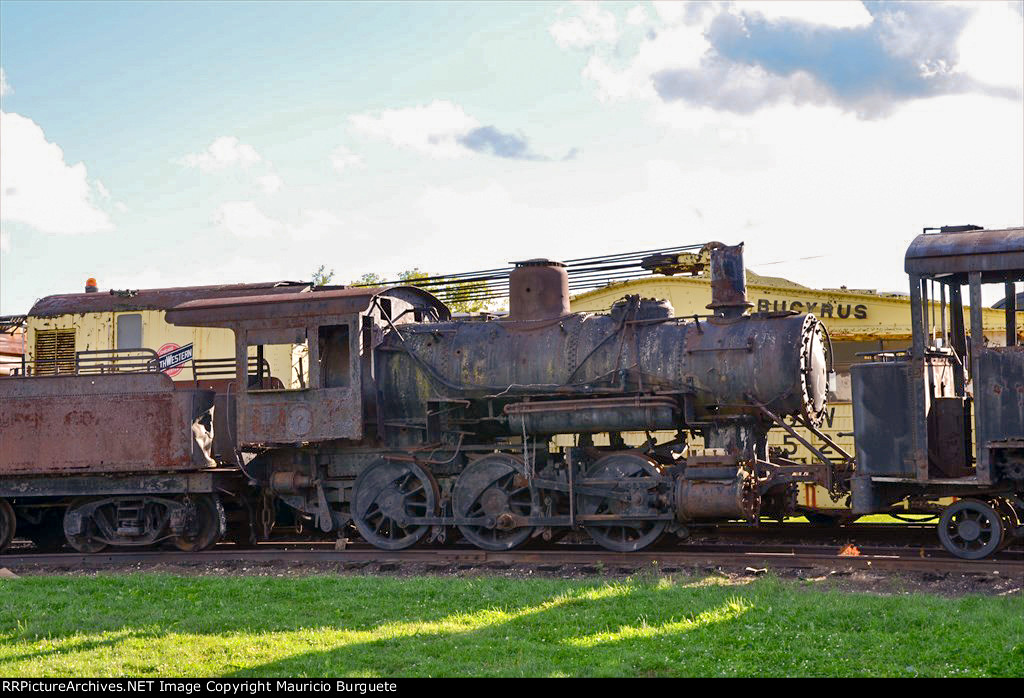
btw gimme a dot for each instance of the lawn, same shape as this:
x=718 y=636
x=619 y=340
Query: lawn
x=325 y=625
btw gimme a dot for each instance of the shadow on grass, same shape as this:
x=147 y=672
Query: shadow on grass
x=56 y=608
x=73 y=645
x=555 y=636
x=371 y=625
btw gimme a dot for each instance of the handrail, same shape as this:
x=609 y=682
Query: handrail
x=225 y=367
x=104 y=361
x=91 y=362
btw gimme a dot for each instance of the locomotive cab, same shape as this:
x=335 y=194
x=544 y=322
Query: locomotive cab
x=324 y=395
x=946 y=417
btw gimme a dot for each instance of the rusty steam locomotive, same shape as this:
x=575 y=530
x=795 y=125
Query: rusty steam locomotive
x=407 y=423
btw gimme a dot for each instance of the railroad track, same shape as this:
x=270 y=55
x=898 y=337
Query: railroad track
x=699 y=556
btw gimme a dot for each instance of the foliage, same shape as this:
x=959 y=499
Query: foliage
x=322 y=277
x=459 y=297
x=650 y=625
x=369 y=279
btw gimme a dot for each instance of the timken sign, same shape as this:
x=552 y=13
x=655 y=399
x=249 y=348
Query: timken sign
x=822 y=309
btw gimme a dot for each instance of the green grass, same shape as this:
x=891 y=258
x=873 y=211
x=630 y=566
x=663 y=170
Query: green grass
x=164 y=625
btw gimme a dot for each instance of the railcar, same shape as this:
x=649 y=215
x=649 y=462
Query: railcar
x=109 y=459
x=945 y=418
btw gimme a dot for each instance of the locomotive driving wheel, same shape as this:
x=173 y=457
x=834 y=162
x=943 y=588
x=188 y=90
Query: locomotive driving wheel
x=494 y=489
x=7 y=524
x=388 y=494
x=205 y=523
x=623 y=536
x=971 y=529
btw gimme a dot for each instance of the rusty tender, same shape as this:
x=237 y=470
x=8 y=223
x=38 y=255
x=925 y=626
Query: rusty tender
x=402 y=423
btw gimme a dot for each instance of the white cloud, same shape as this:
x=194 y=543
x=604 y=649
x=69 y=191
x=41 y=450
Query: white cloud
x=593 y=25
x=672 y=47
x=992 y=46
x=728 y=55
x=271 y=183
x=39 y=189
x=636 y=16
x=231 y=270
x=245 y=220
x=121 y=208
x=433 y=129
x=5 y=87
x=102 y=189
x=342 y=158
x=444 y=130
x=835 y=13
x=5 y=241
x=224 y=152
x=318 y=224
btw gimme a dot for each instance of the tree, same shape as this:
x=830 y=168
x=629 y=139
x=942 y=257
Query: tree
x=465 y=297
x=369 y=279
x=413 y=275
x=322 y=277
x=460 y=297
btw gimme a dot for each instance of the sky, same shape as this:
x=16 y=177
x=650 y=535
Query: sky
x=155 y=144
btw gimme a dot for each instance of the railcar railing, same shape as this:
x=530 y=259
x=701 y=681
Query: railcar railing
x=221 y=368
x=92 y=362
x=107 y=361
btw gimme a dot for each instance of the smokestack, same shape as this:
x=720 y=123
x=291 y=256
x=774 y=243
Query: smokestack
x=538 y=290
x=728 y=280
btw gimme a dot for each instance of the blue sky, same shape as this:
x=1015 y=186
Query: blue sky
x=161 y=144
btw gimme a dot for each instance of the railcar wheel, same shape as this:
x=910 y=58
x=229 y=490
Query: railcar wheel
x=494 y=489
x=205 y=523
x=386 y=496
x=81 y=534
x=8 y=522
x=971 y=529
x=630 y=536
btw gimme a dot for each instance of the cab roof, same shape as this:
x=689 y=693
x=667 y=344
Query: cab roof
x=156 y=298
x=292 y=309
x=998 y=254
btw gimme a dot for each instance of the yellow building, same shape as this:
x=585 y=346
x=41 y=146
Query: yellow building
x=857 y=321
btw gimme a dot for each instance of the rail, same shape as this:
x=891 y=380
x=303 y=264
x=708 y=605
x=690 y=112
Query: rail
x=778 y=557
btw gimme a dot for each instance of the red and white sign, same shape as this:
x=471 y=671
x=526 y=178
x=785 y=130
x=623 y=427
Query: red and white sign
x=169 y=347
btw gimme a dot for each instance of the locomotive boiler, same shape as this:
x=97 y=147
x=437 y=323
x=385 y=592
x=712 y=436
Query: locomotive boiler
x=406 y=423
